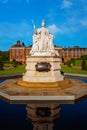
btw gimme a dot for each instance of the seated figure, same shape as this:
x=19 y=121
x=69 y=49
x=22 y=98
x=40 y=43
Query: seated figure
x=43 y=43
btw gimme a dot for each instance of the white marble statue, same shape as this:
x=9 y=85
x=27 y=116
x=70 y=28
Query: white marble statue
x=43 y=43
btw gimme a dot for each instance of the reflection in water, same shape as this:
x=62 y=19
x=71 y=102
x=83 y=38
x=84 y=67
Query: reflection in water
x=43 y=115
x=74 y=117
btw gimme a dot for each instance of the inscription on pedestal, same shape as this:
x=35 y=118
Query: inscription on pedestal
x=43 y=67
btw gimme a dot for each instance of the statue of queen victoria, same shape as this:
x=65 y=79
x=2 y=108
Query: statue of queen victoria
x=43 y=42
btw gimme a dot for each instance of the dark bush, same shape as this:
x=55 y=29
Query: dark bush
x=73 y=61
x=83 y=65
x=14 y=63
x=68 y=63
x=84 y=57
x=1 y=65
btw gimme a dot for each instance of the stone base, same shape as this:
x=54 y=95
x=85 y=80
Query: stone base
x=53 y=75
x=44 y=86
x=70 y=92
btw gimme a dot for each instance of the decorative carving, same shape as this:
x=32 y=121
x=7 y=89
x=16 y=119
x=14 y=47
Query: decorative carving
x=43 y=66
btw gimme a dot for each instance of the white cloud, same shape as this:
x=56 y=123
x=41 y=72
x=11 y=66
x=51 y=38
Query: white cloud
x=84 y=22
x=66 y=4
x=54 y=29
x=63 y=29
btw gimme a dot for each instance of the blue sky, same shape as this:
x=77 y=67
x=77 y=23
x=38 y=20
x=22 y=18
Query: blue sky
x=65 y=19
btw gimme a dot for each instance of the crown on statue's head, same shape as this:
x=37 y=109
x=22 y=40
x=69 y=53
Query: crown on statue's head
x=43 y=23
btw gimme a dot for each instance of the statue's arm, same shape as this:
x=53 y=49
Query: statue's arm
x=35 y=30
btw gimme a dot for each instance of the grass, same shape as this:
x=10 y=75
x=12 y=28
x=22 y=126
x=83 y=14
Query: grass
x=17 y=70
x=67 y=69
x=21 y=69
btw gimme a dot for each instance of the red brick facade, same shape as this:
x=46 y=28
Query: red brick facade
x=75 y=52
x=19 y=52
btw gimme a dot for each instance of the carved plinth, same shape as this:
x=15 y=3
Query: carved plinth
x=43 y=115
x=43 y=112
x=43 y=69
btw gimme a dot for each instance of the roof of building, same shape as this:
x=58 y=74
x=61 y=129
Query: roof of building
x=29 y=46
x=18 y=44
x=57 y=46
x=70 y=48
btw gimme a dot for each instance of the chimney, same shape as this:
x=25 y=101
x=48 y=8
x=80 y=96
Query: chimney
x=18 y=42
x=23 y=44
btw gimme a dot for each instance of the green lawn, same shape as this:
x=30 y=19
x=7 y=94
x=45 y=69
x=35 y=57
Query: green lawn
x=20 y=69
x=66 y=69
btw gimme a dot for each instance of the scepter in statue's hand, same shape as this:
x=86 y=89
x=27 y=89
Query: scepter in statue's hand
x=35 y=30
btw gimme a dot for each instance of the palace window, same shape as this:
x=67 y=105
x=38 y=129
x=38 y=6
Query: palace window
x=13 y=52
x=20 y=51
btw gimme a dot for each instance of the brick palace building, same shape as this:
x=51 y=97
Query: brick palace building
x=19 y=52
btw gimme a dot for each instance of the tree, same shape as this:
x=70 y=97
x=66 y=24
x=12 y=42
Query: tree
x=84 y=67
x=73 y=61
x=14 y=63
x=68 y=63
x=1 y=65
x=84 y=57
x=62 y=60
x=4 y=56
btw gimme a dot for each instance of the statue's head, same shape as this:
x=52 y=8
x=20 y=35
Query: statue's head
x=43 y=23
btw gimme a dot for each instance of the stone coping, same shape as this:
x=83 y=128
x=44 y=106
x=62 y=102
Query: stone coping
x=20 y=75
x=76 y=75
x=37 y=99
x=14 y=93
x=8 y=76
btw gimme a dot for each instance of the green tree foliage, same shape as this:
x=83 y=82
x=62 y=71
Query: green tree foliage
x=62 y=60
x=15 y=63
x=4 y=56
x=68 y=63
x=1 y=65
x=73 y=61
x=84 y=57
x=83 y=65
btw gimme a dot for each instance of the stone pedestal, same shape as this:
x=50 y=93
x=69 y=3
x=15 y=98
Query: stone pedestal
x=51 y=75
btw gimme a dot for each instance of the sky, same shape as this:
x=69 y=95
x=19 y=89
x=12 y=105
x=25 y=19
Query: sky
x=65 y=19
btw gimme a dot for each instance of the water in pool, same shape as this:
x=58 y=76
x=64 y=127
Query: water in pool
x=72 y=117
